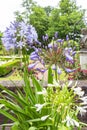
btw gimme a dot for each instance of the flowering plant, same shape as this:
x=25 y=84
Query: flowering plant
x=53 y=108
x=54 y=55
x=39 y=108
x=19 y=35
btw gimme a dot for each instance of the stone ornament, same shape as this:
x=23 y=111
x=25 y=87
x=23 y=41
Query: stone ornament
x=83 y=41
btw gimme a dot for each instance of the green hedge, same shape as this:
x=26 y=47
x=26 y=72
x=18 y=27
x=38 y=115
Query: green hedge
x=9 y=58
x=7 y=67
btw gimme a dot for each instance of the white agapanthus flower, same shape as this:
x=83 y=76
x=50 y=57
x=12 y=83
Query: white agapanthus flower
x=82 y=110
x=70 y=83
x=84 y=99
x=39 y=106
x=43 y=118
x=71 y=122
x=78 y=91
x=55 y=84
x=43 y=92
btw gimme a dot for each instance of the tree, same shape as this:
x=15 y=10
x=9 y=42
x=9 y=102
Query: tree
x=67 y=18
x=24 y=16
x=39 y=20
x=34 y=15
x=48 y=10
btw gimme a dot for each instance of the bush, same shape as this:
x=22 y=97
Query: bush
x=8 y=66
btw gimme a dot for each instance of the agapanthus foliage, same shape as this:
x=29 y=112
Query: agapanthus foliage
x=53 y=108
x=19 y=35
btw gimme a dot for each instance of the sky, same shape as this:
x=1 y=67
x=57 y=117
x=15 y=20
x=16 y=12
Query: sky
x=8 y=7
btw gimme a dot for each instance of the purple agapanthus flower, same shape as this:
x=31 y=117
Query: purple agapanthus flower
x=56 y=35
x=31 y=66
x=69 y=58
x=54 y=56
x=67 y=37
x=45 y=38
x=54 y=67
x=59 y=71
x=69 y=70
x=19 y=35
x=41 y=70
x=60 y=40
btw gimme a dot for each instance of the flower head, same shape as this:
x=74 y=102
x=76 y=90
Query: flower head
x=39 y=106
x=43 y=118
x=82 y=110
x=78 y=91
x=19 y=35
x=54 y=55
x=71 y=122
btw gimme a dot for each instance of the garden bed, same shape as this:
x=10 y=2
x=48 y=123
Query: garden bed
x=19 y=83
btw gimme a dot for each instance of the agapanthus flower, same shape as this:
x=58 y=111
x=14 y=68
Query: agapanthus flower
x=56 y=35
x=54 y=55
x=82 y=110
x=60 y=40
x=41 y=70
x=78 y=91
x=69 y=70
x=43 y=118
x=69 y=58
x=71 y=122
x=59 y=71
x=84 y=99
x=43 y=92
x=54 y=67
x=19 y=35
x=67 y=37
x=39 y=106
x=31 y=66
x=45 y=38
x=55 y=84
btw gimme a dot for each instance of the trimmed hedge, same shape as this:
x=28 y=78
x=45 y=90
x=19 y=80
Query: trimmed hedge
x=9 y=58
x=8 y=67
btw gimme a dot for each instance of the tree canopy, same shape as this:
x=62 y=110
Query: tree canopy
x=66 y=18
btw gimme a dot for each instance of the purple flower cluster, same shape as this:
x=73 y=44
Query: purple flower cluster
x=19 y=35
x=55 y=55
x=69 y=53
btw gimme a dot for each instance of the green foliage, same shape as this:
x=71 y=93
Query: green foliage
x=27 y=5
x=6 y=58
x=72 y=44
x=39 y=20
x=1 y=46
x=48 y=10
x=8 y=66
x=68 y=18
x=37 y=108
x=50 y=77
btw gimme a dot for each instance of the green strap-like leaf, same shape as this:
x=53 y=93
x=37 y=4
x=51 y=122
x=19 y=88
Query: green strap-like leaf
x=50 y=77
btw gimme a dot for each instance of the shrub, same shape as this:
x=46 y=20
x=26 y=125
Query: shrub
x=8 y=66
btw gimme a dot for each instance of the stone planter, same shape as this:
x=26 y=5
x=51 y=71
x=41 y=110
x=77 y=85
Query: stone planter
x=83 y=59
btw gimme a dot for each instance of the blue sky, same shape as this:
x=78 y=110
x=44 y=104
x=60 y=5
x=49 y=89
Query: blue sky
x=7 y=8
